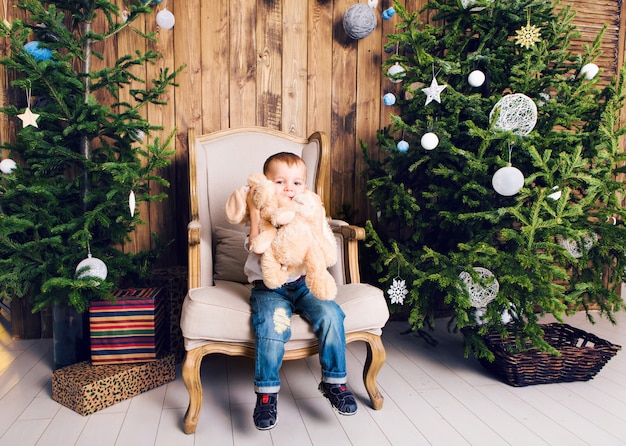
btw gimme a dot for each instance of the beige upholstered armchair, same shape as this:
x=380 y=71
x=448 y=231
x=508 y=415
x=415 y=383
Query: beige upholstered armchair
x=216 y=311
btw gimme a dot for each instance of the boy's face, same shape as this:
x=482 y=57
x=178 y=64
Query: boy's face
x=288 y=180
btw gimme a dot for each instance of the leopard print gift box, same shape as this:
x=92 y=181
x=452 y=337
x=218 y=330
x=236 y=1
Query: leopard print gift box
x=87 y=388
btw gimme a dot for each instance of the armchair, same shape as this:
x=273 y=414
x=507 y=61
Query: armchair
x=216 y=312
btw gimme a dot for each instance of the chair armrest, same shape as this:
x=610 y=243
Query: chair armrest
x=351 y=236
x=194 y=229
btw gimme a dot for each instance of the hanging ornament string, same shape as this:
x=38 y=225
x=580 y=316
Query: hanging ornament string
x=398 y=290
x=28 y=117
x=5 y=4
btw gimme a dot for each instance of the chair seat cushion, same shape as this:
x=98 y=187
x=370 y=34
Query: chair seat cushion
x=222 y=313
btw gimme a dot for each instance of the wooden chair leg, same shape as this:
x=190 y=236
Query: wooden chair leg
x=376 y=356
x=191 y=378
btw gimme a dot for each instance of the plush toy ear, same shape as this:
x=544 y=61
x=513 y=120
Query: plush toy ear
x=236 y=206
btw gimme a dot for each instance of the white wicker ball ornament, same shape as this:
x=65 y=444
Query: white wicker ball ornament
x=91 y=267
x=481 y=295
x=589 y=71
x=359 y=21
x=516 y=113
x=573 y=248
x=507 y=180
x=429 y=141
x=476 y=78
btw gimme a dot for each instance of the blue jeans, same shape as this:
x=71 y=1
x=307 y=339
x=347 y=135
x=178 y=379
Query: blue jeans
x=271 y=320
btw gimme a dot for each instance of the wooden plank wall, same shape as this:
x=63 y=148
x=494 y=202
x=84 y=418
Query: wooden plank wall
x=286 y=65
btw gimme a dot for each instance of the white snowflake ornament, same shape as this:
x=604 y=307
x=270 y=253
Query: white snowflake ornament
x=397 y=291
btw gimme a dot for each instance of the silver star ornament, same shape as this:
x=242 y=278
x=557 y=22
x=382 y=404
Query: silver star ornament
x=433 y=93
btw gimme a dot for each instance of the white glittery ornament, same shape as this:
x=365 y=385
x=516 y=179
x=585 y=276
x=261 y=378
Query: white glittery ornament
x=480 y=296
x=91 y=267
x=516 y=113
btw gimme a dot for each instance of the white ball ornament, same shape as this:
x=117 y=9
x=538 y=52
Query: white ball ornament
x=429 y=141
x=589 y=71
x=165 y=19
x=396 y=72
x=91 y=267
x=508 y=181
x=476 y=78
x=403 y=146
x=7 y=165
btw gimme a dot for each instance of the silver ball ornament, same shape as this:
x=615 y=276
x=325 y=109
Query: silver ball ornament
x=403 y=146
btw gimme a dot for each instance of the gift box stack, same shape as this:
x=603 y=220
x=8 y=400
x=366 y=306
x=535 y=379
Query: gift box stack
x=131 y=328
x=129 y=343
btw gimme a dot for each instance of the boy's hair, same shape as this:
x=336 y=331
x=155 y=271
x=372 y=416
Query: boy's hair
x=282 y=157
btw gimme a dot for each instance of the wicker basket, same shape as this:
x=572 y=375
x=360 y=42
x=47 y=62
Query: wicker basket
x=582 y=356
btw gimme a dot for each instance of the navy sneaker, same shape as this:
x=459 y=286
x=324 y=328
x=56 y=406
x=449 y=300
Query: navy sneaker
x=265 y=414
x=340 y=398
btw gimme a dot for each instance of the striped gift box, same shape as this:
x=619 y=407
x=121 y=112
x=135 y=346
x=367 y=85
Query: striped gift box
x=132 y=328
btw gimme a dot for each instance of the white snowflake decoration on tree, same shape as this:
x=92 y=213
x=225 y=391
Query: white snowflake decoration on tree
x=397 y=291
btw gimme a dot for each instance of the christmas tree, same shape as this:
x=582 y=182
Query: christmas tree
x=498 y=184
x=83 y=156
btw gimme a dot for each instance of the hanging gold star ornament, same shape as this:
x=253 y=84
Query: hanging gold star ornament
x=528 y=35
x=28 y=117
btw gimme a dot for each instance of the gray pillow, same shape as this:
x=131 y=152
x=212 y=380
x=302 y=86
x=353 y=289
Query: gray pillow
x=230 y=255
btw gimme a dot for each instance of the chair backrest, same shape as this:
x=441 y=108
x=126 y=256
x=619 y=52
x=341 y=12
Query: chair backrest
x=221 y=162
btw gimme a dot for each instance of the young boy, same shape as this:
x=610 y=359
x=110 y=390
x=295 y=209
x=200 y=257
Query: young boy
x=272 y=310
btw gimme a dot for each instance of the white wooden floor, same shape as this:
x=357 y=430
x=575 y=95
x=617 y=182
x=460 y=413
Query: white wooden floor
x=433 y=395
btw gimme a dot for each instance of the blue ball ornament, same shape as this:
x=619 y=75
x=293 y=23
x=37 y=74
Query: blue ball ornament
x=389 y=99
x=403 y=146
x=40 y=54
x=388 y=13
